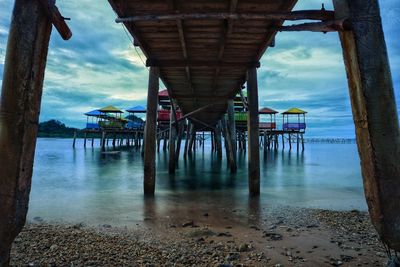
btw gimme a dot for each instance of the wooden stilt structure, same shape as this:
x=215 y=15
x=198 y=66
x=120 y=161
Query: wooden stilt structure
x=179 y=140
x=232 y=124
x=253 y=133
x=172 y=142
x=229 y=143
x=74 y=141
x=21 y=95
x=191 y=138
x=218 y=141
x=374 y=112
x=103 y=141
x=150 y=133
x=84 y=140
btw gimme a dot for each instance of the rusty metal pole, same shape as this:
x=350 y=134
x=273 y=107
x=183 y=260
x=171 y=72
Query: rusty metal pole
x=21 y=95
x=374 y=112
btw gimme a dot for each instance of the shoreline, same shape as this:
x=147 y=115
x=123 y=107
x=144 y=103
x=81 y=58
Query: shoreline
x=282 y=236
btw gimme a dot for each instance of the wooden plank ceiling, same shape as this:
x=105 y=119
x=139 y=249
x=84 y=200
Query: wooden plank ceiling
x=202 y=60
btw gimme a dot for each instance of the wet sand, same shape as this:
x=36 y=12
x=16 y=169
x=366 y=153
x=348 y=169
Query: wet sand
x=282 y=236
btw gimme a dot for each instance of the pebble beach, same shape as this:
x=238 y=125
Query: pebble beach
x=284 y=236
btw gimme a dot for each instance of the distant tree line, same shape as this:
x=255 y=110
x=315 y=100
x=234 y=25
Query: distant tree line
x=55 y=128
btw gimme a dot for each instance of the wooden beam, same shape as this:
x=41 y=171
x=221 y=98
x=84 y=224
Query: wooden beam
x=56 y=18
x=190 y=114
x=294 y=15
x=253 y=133
x=270 y=38
x=203 y=123
x=374 y=112
x=201 y=63
x=21 y=94
x=182 y=40
x=150 y=133
x=227 y=31
x=325 y=26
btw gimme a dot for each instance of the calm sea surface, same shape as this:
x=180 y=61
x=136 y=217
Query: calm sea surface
x=84 y=185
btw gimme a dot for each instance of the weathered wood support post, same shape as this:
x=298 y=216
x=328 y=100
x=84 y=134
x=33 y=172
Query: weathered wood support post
x=103 y=141
x=187 y=138
x=218 y=141
x=158 y=136
x=232 y=124
x=113 y=141
x=212 y=141
x=165 y=137
x=150 y=133
x=374 y=112
x=302 y=142
x=21 y=95
x=74 y=141
x=253 y=133
x=191 y=138
x=92 y=140
x=172 y=141
x=290 y=141
x=204 y=140
x=283 y=141
x=230 y=154
x=84 y=141
x=194 y=140
x=179 y=141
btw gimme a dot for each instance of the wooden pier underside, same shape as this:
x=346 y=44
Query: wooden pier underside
x=204 y=51
x=202 y=61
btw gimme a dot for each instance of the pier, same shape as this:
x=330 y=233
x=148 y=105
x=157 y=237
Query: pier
x=206 y=53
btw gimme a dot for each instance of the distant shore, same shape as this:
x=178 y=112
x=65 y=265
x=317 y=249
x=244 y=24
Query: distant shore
x=281 y=237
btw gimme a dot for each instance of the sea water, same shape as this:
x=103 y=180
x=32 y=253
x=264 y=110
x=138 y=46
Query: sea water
x=86 y=185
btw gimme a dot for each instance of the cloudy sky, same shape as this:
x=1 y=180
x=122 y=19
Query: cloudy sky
x=99 y=66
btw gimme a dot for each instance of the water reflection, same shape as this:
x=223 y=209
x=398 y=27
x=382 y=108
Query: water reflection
x=87 y=185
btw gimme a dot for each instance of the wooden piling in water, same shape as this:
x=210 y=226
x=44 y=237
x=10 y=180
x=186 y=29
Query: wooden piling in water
x=150 y=132
x=179 y=141
x=374 y=112
x=73 y=142
x=253 y=133
x=172 y=140
x=84 y=141
x=165 y=138
x=218 y=141
x=191 y=138
x=230 y=153
x=103 y=141
x=24 y=69
x=232 y=125
x=187 y=139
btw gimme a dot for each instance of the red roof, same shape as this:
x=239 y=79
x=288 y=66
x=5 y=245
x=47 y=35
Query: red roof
x=267 y=111
x=163 y=93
